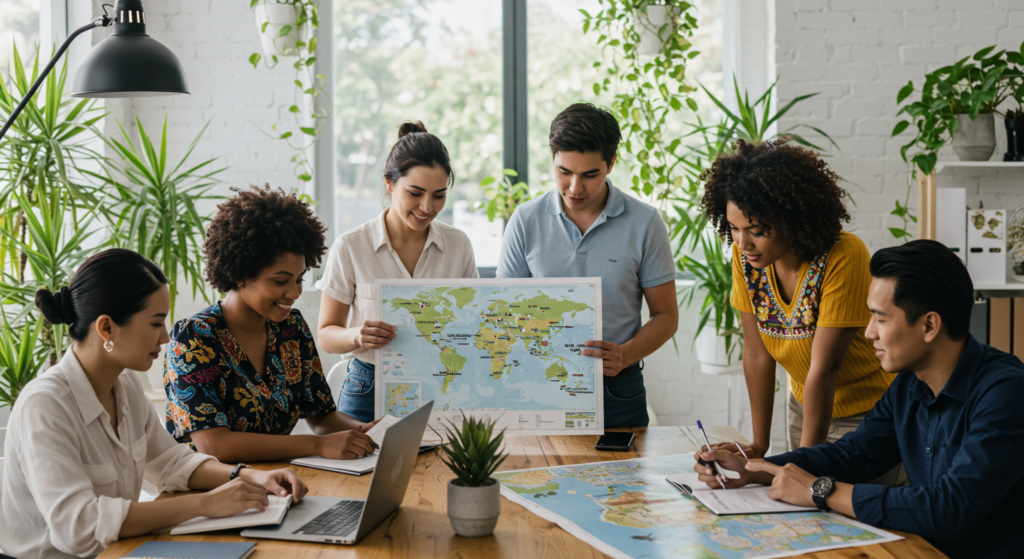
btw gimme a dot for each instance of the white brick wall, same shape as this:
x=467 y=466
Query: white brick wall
x=858 y=54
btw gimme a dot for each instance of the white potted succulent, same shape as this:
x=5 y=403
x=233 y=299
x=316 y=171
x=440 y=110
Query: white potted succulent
x=474 y=497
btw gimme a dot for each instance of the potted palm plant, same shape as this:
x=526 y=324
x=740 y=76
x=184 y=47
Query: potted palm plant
x=474 y=497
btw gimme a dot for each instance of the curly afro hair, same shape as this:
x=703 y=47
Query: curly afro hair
x=253 y=229
x=782 y=187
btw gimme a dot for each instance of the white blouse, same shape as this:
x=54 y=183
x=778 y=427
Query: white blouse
x=68 y=478
x=362 y=255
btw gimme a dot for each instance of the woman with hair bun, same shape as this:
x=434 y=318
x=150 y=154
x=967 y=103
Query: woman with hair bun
x=83 y=436
x=800 y=284
x=403 y=242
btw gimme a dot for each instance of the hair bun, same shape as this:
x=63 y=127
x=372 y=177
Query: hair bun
x=56 y=307
x=410 y=128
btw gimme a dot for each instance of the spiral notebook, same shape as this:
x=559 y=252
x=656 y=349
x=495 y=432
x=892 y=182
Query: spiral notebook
x=273 y=514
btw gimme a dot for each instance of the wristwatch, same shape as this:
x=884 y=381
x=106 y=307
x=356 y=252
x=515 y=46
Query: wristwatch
x=238 y=468
x=820 y=489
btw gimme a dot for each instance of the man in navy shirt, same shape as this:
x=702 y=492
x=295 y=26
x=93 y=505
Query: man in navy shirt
x=953 y=417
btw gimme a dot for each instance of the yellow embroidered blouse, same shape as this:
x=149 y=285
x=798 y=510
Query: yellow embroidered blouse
x=833 y=294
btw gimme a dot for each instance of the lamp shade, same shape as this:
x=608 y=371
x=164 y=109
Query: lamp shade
x=130 y=63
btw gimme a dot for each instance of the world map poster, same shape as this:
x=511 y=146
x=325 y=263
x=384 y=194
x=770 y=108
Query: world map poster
x=507 y=350
x=626 y=508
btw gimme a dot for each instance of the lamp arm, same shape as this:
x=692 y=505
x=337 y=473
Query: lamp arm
x=102 y=21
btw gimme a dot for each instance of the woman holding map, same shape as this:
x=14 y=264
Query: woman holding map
x=403 y=242
x=800 y=284
x=241 y=373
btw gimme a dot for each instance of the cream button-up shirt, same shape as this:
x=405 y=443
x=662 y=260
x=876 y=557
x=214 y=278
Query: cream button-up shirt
x=362 y=255
x=68 y=477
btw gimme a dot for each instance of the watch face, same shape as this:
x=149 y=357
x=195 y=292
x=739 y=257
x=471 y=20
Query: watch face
x=821 y=486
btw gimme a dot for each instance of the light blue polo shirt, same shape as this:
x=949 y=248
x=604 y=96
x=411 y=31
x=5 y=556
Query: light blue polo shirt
x=627 y=247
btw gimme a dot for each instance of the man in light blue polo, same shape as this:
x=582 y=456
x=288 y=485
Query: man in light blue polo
x=588 y=228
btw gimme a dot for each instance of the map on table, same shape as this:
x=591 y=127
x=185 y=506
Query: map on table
x=627 y=509
x=503 y=349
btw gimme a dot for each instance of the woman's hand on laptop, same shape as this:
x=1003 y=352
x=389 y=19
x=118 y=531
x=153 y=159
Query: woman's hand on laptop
x=238 y=495
x=281 y=482
x=345 y=445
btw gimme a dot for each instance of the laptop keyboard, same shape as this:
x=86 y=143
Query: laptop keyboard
x=338 y=520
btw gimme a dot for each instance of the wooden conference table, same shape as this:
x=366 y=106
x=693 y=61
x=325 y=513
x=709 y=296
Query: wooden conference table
x=421 y=527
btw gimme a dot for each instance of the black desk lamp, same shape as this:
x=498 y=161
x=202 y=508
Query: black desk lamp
x=128 y=63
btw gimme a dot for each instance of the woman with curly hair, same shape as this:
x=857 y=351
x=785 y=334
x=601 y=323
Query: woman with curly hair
x=242 y=372
x=800 y=283
x=404 y=242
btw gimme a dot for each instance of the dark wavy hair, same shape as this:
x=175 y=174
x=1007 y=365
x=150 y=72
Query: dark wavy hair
x=255 y=227
x=115 y=282
x=929 y=277
x=782 y=187
x=585 y=128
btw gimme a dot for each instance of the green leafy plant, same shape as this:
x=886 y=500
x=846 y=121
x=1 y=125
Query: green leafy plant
x=310 y=107
x=20 y=358
x=971 y=86
x=473 y=451
x=156 y=215
x=47 y=207
x=503 y=196
x=649 y=92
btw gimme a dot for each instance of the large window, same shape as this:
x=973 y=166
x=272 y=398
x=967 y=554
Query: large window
x=445 y=62
x=19 y=25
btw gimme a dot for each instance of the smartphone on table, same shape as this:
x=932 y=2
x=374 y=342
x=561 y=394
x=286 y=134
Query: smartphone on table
x=615 y=441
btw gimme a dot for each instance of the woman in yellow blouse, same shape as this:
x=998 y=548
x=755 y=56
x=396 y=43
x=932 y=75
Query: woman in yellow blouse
x=800 y=283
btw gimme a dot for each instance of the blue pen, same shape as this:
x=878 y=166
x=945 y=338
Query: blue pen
x=720 y=476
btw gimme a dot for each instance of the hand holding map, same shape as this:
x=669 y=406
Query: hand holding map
x=375 y=334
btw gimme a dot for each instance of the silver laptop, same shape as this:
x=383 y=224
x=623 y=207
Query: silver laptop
x=346 y=521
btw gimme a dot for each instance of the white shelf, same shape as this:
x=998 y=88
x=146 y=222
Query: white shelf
x=939 y=166
x=1014 y=286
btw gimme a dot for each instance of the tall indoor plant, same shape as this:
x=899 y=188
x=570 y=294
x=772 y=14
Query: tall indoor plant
x=692 y=235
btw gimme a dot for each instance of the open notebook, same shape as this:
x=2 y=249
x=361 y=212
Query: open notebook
x=752 y=499
x=274 y=514
x=359 y=466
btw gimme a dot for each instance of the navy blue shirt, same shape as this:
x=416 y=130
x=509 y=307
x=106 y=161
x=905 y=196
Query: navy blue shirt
x=963 y=451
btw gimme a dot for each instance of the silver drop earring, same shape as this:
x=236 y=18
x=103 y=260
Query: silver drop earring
x=108 y=345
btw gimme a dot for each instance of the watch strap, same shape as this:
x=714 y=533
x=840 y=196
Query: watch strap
x=237 y=469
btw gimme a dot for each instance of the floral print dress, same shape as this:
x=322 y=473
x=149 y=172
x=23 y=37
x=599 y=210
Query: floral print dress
x=210 y=382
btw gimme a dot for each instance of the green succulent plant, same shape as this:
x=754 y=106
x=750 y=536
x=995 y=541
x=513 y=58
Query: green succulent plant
x=473 y=454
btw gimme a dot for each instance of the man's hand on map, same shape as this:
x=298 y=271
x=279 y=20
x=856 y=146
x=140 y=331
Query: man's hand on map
x=375 y=334
x=609 y=353
x=344 y=445
x=725 y=459
x=790 y=483
x=751 y=450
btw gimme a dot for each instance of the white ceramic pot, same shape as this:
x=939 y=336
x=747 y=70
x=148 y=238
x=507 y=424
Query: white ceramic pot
x=710 y=351
x=276 y=16
x=975 y=140
x=649 y=25
x=474 y=511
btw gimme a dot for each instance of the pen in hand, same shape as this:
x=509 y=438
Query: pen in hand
x=719 y=475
